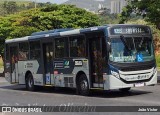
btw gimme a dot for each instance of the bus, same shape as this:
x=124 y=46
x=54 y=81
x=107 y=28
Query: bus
x=105 y=57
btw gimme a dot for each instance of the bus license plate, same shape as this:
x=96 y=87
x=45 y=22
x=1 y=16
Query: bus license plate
x=139 y=84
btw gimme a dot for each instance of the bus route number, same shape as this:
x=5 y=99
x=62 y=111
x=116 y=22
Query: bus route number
x=118 y=31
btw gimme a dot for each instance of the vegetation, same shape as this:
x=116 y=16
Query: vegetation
x=149 y=10
x=158 y=61
x=15 y=6
x=109 y=19
x=46 y=18
x=106 y=18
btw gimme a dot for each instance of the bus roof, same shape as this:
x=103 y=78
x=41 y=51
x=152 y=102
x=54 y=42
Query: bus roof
x=51 y=31
x=17 y=39
x=64 y=32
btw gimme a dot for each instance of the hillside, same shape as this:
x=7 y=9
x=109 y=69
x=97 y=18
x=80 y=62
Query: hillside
x=91 y=5
x=19 y=2
x=9 y=7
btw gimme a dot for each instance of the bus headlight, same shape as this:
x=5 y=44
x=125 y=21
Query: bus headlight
x=115 y=73
x=154 y=70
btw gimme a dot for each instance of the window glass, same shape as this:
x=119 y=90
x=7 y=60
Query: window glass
x=23 y=51
x=77 y=46
x=131 y=49
x=7 y=52
x=59 y=48
x=35 y=50
x=35 y=45
x=104 y=51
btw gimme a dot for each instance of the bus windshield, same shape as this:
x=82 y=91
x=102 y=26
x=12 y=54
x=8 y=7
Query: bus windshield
x=131 y=49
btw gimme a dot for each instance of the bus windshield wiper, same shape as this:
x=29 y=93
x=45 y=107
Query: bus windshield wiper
x=140 y=45
x=125 y=43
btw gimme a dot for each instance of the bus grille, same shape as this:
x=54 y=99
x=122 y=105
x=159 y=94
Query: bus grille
x=137 y=68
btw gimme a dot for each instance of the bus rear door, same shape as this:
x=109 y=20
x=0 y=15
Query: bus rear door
x=48 y=62
x=14 y=63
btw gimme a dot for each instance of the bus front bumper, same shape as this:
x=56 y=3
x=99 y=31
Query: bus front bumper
x=112 y=82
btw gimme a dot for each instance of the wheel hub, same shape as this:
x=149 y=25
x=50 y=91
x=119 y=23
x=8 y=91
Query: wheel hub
x=84 y=85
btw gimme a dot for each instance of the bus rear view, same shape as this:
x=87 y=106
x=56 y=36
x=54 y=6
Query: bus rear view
x=131 y=58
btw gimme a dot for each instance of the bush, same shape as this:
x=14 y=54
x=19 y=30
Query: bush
x=158 y=61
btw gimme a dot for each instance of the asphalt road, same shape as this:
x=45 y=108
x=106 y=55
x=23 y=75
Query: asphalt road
x=15 y=95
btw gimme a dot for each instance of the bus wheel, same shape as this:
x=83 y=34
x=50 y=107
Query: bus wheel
x=82 y=85
x=30 y=82
x=125 y=89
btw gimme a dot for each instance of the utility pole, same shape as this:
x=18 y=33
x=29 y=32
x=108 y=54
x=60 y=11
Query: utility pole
x=35 y=4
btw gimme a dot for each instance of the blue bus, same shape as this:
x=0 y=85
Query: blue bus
x=105 y=57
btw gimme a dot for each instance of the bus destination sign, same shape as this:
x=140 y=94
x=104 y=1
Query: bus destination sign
x=129 y=30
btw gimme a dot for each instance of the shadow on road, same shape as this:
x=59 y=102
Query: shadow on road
x=69 y=91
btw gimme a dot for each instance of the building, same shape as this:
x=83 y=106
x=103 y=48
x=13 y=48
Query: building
x=117 y=6
x=123 y=4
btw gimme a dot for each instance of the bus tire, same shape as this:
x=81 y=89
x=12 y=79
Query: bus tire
x=82 y=85
x=125 y=89
x=30 y=82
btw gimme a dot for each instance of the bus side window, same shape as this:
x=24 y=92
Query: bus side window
x=23 y=51
x=7 y=52
x=59 y=48
x=77 y=46
x=35 y=50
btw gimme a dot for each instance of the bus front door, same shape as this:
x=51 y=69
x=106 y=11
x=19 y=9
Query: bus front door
x=48 y=62
x=14 y=64
x=96 y=64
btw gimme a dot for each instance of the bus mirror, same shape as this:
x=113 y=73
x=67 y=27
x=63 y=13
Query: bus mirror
x=108 y=47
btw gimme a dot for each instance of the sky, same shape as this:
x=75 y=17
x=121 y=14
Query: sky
x=52 y=1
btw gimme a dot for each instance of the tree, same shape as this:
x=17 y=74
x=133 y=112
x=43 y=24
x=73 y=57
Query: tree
x=150 y=10
x=10 y=7
x=46 y=18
